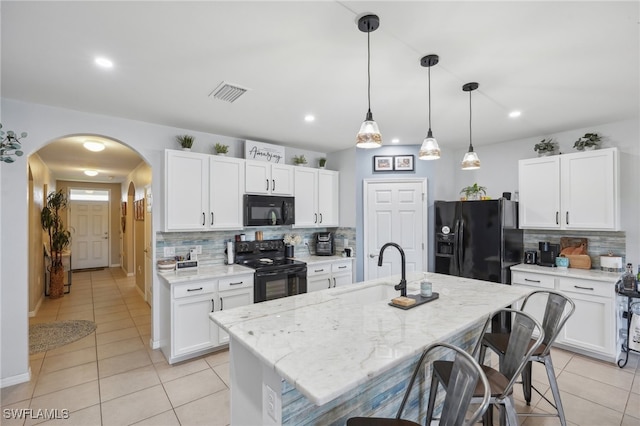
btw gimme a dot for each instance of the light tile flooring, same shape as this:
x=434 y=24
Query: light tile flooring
x=112 y=377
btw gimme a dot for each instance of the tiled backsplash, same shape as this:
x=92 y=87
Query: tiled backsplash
x=213 y=243
x=599 y=244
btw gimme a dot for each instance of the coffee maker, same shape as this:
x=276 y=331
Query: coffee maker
x=548 y=253
x=324 y=244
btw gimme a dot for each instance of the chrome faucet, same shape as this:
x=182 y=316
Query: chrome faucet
x=403 y=282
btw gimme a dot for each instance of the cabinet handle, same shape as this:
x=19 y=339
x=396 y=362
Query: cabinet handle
x=239 y=282
x=584 y=288
x=204 y=216
x=273 y=184
x=334 y=283
x=329 y=279
x=221 y=304
x=318 y=270
x=267 y=185
x=315 y=220
x=194 y=289
x=211 y=218
x=557 y=218
x=342 y=267
x=532 y=281
x=567 y=217
x=213 y=306
x=320 y=217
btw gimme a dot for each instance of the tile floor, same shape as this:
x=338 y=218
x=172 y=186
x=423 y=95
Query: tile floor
x=111 y=377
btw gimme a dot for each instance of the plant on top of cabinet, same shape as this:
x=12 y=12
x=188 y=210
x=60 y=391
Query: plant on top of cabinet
x=186 y=141
x=545 y=147
x=322 y=162
x=473 y=192
x=299 y=160
x=588 y=141
x=221 y=149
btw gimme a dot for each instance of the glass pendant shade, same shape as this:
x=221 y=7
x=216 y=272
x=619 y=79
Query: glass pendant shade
x=429 y=149
x=369 y=135
x=470 y=161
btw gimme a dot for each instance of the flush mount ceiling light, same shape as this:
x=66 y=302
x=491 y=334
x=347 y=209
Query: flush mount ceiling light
x=103 y=62
x=94 y=146
x=514 y=114
x=309 y=118
x=470 y=160
x=369 y=135
x=395 y=140
x=91 y=172
x=429 y=149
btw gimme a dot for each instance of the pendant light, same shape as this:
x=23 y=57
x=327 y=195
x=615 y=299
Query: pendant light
x=429 y=149
x=369 y=135
x=470 y=160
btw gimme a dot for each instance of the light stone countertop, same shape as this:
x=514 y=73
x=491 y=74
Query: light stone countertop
x=584 y=274
x=203 y=272
x=328 y=342
x=315 y=260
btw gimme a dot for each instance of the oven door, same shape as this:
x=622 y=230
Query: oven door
x=276 y=284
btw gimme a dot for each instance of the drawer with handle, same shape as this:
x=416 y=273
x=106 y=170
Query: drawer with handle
x=594 y=288
x=235 y=283
x=340 y=267
x=194 y=289
x=324 y=268
x=533 y=280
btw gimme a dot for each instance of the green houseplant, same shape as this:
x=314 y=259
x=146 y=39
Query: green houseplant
x=474 y=192
x=221 y=149
x=185 y=141
x=588 y=141
x=322 y=162
x=59 y=240
x=299 y=160
x=545 y=147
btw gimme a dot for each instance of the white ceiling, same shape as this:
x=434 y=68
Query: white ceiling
x=565 y=65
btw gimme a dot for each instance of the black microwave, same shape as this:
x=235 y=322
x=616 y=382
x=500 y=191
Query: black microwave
x=268 y=210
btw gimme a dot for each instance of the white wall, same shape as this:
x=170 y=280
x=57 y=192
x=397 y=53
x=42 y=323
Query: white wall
x=345 y=162
x=499 y=171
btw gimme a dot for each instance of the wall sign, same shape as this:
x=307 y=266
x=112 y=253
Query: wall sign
x=263 y=152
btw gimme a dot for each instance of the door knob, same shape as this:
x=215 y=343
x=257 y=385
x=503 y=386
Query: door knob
x=371 y=255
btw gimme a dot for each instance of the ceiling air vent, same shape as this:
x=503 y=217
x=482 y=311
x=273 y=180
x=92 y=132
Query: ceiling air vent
x=227 y=92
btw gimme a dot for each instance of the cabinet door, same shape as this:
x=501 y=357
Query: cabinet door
x=539 y=190
x=193 y=330
x=328 y=198
x=186 y=190
x=281 y=179
x=233 y=299
x=589 y=190
x=226 y=187
x=343 y=279
x=257 y=177
x=319 y=282
x=306 y=195
x=592 y=324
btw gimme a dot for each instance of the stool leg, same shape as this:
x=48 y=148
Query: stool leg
x=526 y=382
x=548 y=364
x=510 y=411
x=433 y=392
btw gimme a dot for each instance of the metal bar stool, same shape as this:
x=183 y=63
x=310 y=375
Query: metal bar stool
x=518 y=351
x=555 y=316
x=466 y=376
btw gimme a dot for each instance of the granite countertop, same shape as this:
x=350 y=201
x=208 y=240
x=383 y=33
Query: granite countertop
x=314 y=259
x=203 y=272
x=328 y=342
x=585 y=274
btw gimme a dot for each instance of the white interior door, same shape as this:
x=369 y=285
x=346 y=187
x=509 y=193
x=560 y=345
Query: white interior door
x=89 y=226
x=148 y=250
x=395 y=211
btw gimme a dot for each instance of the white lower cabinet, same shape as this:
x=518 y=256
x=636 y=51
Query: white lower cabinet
x=330 y=274
x=591 y=328
x=191 y=331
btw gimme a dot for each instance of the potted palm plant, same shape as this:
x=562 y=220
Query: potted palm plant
x=59 y=240
x=588 y=142
x=299 y=160
x=221 y=149
x=186 y=141
x=473 y=192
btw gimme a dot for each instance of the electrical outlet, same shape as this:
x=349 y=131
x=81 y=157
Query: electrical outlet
x=270 y=402
x=305 y=241
x=345 y=242
x=169 y=251
x=198 y=249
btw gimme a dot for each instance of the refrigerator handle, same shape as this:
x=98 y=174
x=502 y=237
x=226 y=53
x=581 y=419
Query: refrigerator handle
x=460 y=244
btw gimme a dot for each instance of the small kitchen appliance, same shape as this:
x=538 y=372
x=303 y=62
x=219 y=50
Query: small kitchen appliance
x=530 y=257
x=268 y=210
x=324 y=244
x=548 y=253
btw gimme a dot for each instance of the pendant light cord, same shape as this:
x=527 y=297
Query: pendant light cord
x=429 y=84
x=369 y=70
x=470 y=144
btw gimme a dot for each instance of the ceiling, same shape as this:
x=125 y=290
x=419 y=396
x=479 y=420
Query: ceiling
x=564 y=65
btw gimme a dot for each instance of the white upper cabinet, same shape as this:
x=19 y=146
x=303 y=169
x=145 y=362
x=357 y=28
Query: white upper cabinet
x=577 y=191
x=267 y=178
x=202 y=192
x=316 y=193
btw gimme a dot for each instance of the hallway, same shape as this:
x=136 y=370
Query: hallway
x=111 y=377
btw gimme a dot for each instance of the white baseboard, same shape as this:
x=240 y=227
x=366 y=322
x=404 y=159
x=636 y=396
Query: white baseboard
x=140 y=292
x=114 y=265
x=37 y=308
x=15 y=380
x=155 y=344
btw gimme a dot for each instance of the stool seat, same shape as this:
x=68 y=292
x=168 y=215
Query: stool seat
x=497 y=381
x=375 y=421
x=499 y=341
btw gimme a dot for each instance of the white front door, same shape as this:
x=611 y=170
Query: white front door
x=89 y=226
x=395 y=211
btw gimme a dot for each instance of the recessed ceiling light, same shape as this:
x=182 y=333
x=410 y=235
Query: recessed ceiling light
x=104 y=62
x=309 y=118
x=94 y=146
x=395 y=140
x=514 y=114
x=91 y=172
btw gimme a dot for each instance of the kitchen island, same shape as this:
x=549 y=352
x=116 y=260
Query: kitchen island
x=322 y=357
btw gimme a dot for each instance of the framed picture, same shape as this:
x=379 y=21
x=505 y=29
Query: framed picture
x=382 y=163
x=403 y=163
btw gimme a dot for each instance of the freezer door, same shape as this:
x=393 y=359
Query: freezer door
x=481 y=240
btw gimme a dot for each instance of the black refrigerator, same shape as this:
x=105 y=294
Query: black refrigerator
x=477 y=239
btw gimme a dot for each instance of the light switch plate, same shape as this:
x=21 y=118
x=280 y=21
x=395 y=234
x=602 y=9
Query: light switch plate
x=169 y=251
